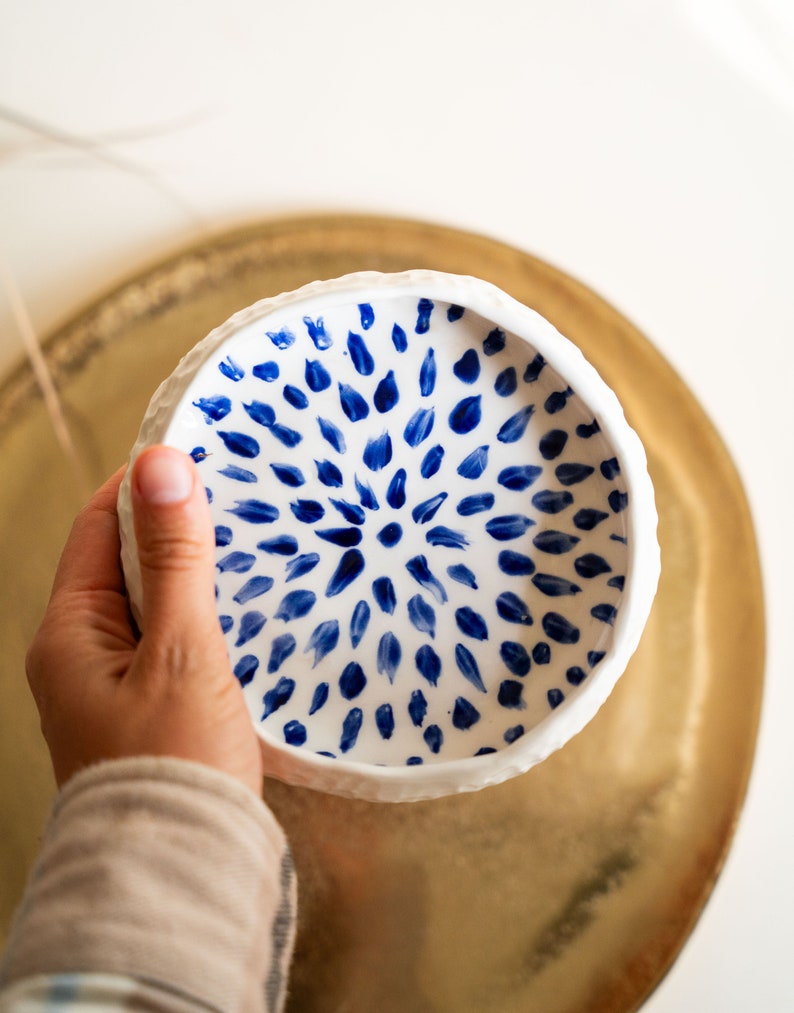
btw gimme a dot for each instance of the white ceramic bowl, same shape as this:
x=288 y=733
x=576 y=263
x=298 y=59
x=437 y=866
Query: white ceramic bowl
x=436 y=533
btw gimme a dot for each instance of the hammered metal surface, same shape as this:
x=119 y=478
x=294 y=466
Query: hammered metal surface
x=570 y=888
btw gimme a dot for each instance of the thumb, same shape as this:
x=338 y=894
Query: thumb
x=176 y=547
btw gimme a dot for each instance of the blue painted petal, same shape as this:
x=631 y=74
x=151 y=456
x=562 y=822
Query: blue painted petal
x=319 y=697
x=295 y=396
x=377 y=452
x=604 y=613
x=515 y=657
x=572 y=474
x=585 y=430
x=395 y=494
x=515 y=564
x=302 y=565
x=236 y=562
x=591 y=565
x=351 y=726
x=556 y=543
x=286 y=436
x=323 y=640
x=214 y=408
x=552 y=444
x=428 y=664
x=427 y=374
x=350 y=566
x=419 y=570
x=281 y=545
x=466 y=414
x=359 y=622
x=558 y=628
x=447 y=537
x=360 y=355
x=389 y=655
x=554 y=586
x=507 y=382
x=422 y=615
x=317 y=376
x=282 y=339
x=431 y=462
x=434 y=738
x=495 y=342
x=556 y=401
x=510 y=695
x=351 y=512
x=253 y=588
x=476 y=504
x=513 y=429
x=199 y=454
x=240 y=444
x=399 y=339
x=555 y=697
x=318 y=334
x=587 y=518
x=471 y=623
x=366 y=495
x=352 y=680
x=417 y=708
x=387 y=393
x=426 y=511
x=255 y=511
x=474 y=464
x=467 y=664
x=332 y=434
x=618 y=501
x=295 y=733
x=329 y=474
x=467 y=368
x=384 y=594
x=367 y=314
x=295 y=605
x=513 y=734
x=424 y=309
x=463 y=575
x=513 y=609
x=353 y=404
x=519 y=476
x=238 y=474
x=307 y=511
x=508 y=527
x=245 y=669
x=223 y=535
x=281 y=648
x=455 y=312
x=261 y=413
x=464 y=714
x=226 y=623
x=419 y=426
x=278 y=696
x=390 y=535
x=231 y=370
x=610 y=469
x=534 y=369
x=344 y=537
x=267 y=371
x=384 y=720
x=288 y=474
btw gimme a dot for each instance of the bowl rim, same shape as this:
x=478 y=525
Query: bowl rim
x=359 y=779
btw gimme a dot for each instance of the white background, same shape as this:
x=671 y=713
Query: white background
x=644 y=146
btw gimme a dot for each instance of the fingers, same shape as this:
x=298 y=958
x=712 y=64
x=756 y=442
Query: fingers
x=176 y=549
x=90 y=559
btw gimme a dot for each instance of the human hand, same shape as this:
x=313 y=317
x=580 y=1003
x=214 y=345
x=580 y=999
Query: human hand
x=103 y=692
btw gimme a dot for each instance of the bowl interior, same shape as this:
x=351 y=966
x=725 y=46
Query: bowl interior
x=420 y=526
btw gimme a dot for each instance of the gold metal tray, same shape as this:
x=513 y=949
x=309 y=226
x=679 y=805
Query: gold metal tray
x=571 y=888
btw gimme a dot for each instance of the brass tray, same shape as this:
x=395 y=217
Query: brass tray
x=571 y=888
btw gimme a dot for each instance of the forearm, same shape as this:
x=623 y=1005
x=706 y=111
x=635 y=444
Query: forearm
x=166 y=873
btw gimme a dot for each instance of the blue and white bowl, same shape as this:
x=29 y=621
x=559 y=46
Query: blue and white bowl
x=436 y=533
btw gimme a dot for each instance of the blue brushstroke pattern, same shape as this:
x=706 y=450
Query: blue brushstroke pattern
x=351 y=726
x=618 y=501
x=267 y=371
x=351 y=512
x=513 y=609
x=352 y=680
x=384 y=594
x=282 y=339
x=471 y=623
x=251 y=624
x=424 y=309
x=231 y=369
x=585 y=431
x=474 y=464
x=360 y=355
x=390 y=535
x=389 y=655
x=508 y=526
x=554 y=586
x=463 y=575
x=428 y=664
x=428 y=373
x=288 y=474
x=237 y=474
x=316 y=328
x=353 y=404
x=345 y=537
x=427 y=509
x=604 y=613
x=214 y=408
x=378 y=451
x=350 y=566
x=261 y=413
x=395 y=494
x=610 y=469
x=368 y=498
x=317 y=376
x=419 y=426
x=468 y=667
x=575 y=675
x=417 y=708
x=422 y=615
x=253 y=588
x=541 y=653
x=226 y=623
x=278 y=696
x=199 y=454
x=431 y=462
x=332 y=434
x=245 y=669
x=282 y=647
x=555 y=698
x=515 y=564
x=329 y=474
x=223 y=535
x=514 y=733
x=467 y=368
x=591 y=565
x=295 y=605
x=510 y=695
x=236 y=562
x=419 y=570
x=572 y=474
x=552 y=501
x=514 y=428
x=507 y=382
x=557 y=401
x=495 y=342
x=534 y=369
x=319 y=697
x=359 y=622
x=307 y=511
x=552 y=444
x=286 y=436
x=475 y=504
x=295 y=733
x=515 y=657
x=367 y=315
x=240 y=444
x=464 y=714
x=559 y=629
x=281 y=545
x=588 y=517
x=399 y=338
x=386 y=394
x=556 y=543
x=518 y=477
x=466 y=415
x=455 y=312
x=323 y=640
x=384 y=720
x=295 y=396
x=434 y=738
x=446 y=537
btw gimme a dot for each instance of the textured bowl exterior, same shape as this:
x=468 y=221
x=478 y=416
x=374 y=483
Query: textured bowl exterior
x=389 y=780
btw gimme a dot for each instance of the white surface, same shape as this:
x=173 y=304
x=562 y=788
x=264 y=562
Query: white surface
x=645 y=147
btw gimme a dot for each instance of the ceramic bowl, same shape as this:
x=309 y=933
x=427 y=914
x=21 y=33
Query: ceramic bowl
x=436 y=533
